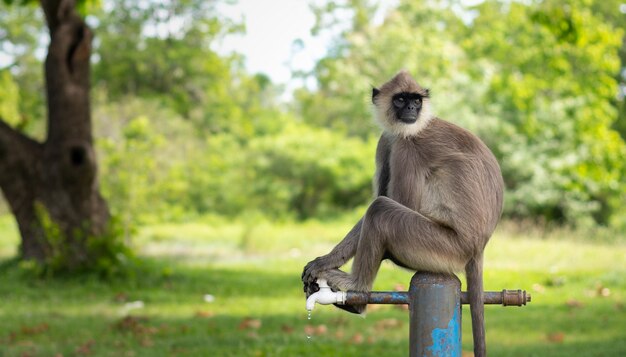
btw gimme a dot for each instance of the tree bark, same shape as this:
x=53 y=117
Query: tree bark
x=58 y=177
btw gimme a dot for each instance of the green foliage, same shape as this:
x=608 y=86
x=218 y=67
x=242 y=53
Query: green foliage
x=84 y=6
x=9 y=98
x=186 y=72
x=138 y=142
x=279 y=172
x=18 y=2
x=22 y=28
x=105 y=255
x=310 y=172
x=561 y=159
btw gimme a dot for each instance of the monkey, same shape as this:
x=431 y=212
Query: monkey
x=438 y=198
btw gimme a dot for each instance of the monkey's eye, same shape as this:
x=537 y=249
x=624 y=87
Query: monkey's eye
x=398 y=102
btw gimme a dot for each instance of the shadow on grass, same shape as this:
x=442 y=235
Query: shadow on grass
x=271 y=335
x=154 y=274
x=219 y=335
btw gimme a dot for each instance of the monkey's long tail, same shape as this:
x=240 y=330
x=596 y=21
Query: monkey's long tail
x=474 y=273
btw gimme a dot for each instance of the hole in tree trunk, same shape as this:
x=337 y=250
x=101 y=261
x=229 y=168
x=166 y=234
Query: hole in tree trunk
x=77 y=155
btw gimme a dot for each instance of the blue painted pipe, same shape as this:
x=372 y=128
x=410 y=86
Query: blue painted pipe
x=435 y=310
x=435 y=315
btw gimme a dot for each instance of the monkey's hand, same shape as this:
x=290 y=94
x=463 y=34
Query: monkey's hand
x=340 y=281
x=313 y=270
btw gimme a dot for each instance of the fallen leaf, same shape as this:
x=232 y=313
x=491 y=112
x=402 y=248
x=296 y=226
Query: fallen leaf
x=387 y=324
x=357 y=339
x=120 y=297
x=321 y=330
x=309 y=330
x=85 y=348
x=26 y=343
x=573 y=303
x=341 y=320
x=128 y=323
x=204 y=314
x=556 y=337
x=467 y=354
x=146 y=342
x=136 y=325
x=339 y=334
x=287 y=329
x=34 y=330
x=403 y=307
x=603 y=291
x=250 y=323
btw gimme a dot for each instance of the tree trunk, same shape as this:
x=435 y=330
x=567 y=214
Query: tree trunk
x=52 y=187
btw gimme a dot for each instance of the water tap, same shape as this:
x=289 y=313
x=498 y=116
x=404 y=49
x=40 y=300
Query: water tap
x=325 y=296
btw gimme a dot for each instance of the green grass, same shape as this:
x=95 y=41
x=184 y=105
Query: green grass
x=253 y=271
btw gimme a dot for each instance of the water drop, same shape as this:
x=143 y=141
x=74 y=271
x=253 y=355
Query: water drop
x=308 y=327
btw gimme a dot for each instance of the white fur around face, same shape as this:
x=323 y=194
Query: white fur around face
x=385 y=116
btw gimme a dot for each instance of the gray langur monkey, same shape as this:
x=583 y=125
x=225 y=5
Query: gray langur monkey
x=438 y=199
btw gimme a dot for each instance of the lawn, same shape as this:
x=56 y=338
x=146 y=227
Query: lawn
x=220 y=288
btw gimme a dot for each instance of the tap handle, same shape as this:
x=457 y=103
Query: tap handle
x=322 y=283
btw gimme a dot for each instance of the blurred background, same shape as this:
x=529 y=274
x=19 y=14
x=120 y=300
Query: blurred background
x=235 y=142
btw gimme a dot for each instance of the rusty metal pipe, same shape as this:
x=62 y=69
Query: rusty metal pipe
x=504 y=297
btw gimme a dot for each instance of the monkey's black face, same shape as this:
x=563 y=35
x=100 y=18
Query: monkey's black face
x=407 y=106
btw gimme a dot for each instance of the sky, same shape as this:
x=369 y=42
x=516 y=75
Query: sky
x=272 y=26
x=271 y=29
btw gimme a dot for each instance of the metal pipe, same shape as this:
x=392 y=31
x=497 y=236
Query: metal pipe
x=377 y=297
x=435 y=309
x=504 y=297
x=435 y=315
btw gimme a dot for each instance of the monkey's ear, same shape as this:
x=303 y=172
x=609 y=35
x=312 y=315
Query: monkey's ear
x=375 y=92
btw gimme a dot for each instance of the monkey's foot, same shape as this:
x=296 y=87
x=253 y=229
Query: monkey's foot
x=355 y=309
x=342 y=281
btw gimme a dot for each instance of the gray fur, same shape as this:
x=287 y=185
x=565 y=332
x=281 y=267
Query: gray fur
x=439 y=199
